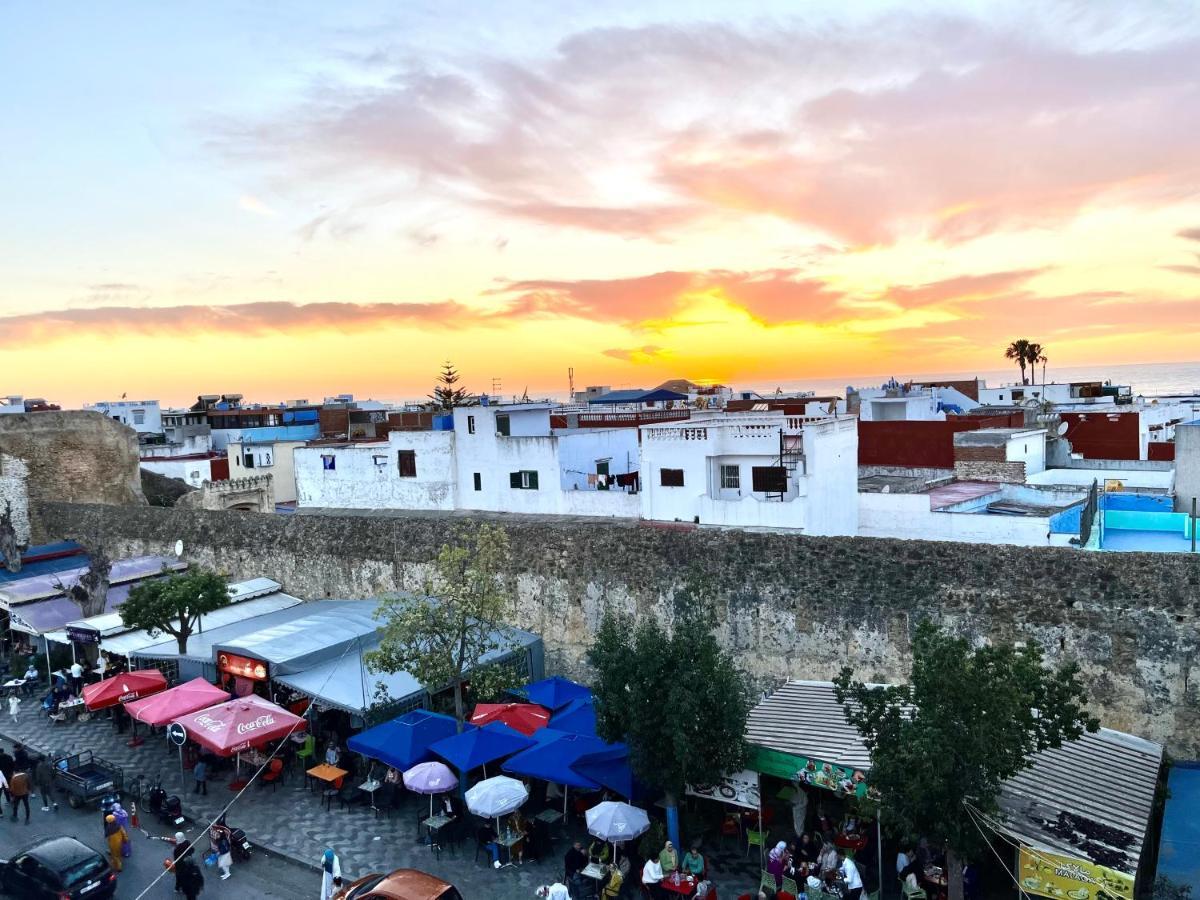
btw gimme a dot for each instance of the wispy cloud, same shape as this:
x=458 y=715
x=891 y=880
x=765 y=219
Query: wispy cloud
x=252 y=204
x=644 y=354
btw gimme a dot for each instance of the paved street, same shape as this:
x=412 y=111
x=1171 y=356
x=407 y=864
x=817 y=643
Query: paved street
x=290 y=821
x=262 y=876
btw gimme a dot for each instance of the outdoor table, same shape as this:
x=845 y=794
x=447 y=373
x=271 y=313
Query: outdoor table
x=433 y=825
x=592 y=870
x=508 y=840
x=71 y=705
x=847 y=842
x=549 y=816
x=684 y=888
x=14 y=685
x=371 y=785
x=327 y=774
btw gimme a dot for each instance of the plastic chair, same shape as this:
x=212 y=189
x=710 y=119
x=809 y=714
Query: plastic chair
x=308 y=752
x=917 y=893
x=755 y=838
x=767 y=882
x=789 y=885
x=273 y=774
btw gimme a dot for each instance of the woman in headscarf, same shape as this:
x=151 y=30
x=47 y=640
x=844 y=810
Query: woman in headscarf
x=668 y=858
x=331 y=874
x=115 y=835
x=777 y=862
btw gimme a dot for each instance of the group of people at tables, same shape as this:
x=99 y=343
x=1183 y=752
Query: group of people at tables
x=920 y=867
x=659 y=873
x=815 y=865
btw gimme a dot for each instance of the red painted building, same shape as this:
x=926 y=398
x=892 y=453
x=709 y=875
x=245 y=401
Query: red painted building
x=1105 y=434
x=921 y=444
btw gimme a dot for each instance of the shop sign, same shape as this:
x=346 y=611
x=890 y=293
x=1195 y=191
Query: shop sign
x=1066 y=878
x=82 y=635
x=811 y=771
x=738 y=789
x=242 y=666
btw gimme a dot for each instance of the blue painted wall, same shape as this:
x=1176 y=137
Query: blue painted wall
x=1138 y=502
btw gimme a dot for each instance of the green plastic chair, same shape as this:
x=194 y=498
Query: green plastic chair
x=308 y=752
x=791 y=887
x=767 y=883
x=755 y=838
x=917 y=893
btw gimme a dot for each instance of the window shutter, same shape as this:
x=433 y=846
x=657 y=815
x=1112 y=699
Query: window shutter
x=533 y=485
x=514 y=479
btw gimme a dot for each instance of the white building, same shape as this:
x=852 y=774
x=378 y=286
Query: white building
x=248 y=458
x=496 y=458
x=892 y=403
x=195 y=468
x=143 y=416
x=753 y=470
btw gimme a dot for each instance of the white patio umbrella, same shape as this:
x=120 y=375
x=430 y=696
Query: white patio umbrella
x=616 y=822
x=430 y=778
x=496 y=796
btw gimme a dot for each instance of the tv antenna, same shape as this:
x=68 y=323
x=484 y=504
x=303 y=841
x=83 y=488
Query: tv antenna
x=495 y=386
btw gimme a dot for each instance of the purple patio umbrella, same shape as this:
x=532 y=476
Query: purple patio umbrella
x=430 y=778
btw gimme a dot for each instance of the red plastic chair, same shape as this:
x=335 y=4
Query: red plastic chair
x=273 y=774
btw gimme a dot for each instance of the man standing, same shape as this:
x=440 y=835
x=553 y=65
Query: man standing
x=77 y=678
x=849 y=872
x=8 y=767
x=200 y=773
x=575 y=861
x=43 y=779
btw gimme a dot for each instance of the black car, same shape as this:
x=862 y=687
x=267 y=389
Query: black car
x=60 y=868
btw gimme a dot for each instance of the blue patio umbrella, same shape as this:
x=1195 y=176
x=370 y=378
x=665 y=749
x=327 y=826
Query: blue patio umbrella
x=577 y=717
x=550 y=760
x=610 y=767
x=480 y=746
x=554 y=693
x=404 y=742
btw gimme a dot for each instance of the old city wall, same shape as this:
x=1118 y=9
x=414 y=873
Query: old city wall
x=76 y=456
x=785 y=605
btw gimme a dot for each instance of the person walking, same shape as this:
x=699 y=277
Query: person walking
x=116 y=837
x=18 y=789
x=183 y=850
x=8 y=768
x=218 y=839
x=189 y=880
x=331 y=874
x=200 y=773
x=14 y=707
x=43 y=780
x=21 y=758
x=849 y=873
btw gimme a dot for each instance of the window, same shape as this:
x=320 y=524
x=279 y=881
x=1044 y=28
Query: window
x=328 y=462
x=139 y=417
x=248 y=460
x=470 y=424
x=769 y=479
x=731 y=478
x=502 y=424
x=478 y=482
x=670 y=477
x=525 y=480
x=407 y=460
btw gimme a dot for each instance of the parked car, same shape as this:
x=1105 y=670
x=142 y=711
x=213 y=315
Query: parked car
x=402 y=884
x=60 y=868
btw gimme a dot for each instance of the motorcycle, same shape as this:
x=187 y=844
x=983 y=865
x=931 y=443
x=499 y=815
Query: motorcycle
x=239 y=845
x=168 y=809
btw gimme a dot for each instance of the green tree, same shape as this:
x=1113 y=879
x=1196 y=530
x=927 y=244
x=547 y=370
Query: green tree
x=174 y=605
x=677 y=699
x=1035 y=355
x=439 y=637
x=446 y=393
x=1018 y=352
x=968 y=719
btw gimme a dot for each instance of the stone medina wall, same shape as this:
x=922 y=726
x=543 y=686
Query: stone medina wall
x=77 y=456
x=785 y=605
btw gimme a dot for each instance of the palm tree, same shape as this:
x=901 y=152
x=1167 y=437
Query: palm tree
x=1018 y=351
x=1035 y=355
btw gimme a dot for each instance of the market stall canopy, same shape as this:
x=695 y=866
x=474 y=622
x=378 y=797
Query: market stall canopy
x=480 y=746
x=124 y=687
x=577 y=717
x=254 y=597
x=610 y=768
x=1179 y=851
x=52 y=615
x=201 y=646
x=172 y=703
x=404 y=742
x=321 y=634
x=240 y=724
x=44 y=559
x=50 y=584
x=526 y=718
x=551 y=757
x=554 y=692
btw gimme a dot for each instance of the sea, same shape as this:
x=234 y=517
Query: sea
x=1145 y=379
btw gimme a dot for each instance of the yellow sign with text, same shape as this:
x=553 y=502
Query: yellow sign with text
x=1066 y=878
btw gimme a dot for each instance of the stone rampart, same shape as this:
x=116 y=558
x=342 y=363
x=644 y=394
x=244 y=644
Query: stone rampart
x=786 y=605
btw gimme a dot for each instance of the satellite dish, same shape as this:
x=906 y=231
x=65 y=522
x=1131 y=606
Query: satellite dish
x=179 y=548
x=1062 y=427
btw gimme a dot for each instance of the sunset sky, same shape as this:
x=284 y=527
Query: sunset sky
x=297 y=199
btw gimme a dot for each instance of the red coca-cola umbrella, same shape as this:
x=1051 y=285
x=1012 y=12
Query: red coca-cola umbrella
x=523 y=717
x=119 y=688
x=240 y=724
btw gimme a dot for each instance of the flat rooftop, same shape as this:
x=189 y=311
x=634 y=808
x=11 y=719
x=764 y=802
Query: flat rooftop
x=993 y=437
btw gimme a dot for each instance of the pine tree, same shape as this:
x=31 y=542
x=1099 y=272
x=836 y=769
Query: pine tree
x=445 y=394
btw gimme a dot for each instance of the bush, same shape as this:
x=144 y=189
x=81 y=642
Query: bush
x=652 y=841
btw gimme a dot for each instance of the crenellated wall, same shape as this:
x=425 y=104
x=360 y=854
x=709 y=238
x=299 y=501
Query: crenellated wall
x=786 y=605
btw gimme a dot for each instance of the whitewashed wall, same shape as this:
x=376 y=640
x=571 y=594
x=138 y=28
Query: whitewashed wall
x=193 y=471
x=908 y=516
x=580 y=448
x=281 y=466
x=367 y=476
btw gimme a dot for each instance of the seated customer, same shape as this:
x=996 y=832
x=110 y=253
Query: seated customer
x=598 y=851
x=668 y=858
x=576 y=860
x=652 y=876
x=693 y=861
